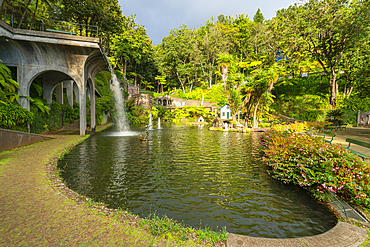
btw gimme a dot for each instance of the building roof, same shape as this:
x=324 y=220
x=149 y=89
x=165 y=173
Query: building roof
x=223 y=106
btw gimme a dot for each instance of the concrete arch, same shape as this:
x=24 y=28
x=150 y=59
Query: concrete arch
x=33 y=74
x=41 y=54
x=94 y=64
x=90 y=90
x=24 y=88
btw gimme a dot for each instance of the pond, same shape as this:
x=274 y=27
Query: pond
x=195 y=176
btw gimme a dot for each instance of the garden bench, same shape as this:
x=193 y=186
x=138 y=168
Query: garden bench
x=311 y=132
x=329 y=134
x=330 y=127
x=342 y=126
x=59 y=31
x=360 y=143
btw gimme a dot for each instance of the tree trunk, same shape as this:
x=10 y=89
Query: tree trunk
x=210 y=79
x=34 y=13
x=247 y=115
x=124 y=72
x=24 y=14
x=255 y=124
x=181 y=82
x=135 y=73
x=191 y=84
x=334 y=87
x=224 y=75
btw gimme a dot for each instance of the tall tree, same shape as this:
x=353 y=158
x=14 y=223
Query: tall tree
x=326 y=29
x=128 y=49
x=258 y=17
x=178 y=54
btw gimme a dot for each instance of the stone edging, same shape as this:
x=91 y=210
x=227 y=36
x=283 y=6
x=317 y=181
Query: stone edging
x=342 y=235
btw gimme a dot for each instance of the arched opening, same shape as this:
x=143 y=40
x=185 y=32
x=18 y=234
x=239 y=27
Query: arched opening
x=90 y=105
x=57 y=91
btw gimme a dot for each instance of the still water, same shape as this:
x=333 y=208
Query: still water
x=195 y=176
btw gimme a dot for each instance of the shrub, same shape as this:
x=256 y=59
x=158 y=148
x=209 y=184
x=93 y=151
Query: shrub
x=15 y=115
x=314 y=164
x=335 y=116
x=307 y=107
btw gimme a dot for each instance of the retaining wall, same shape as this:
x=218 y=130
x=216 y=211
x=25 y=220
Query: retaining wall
x=11 y=139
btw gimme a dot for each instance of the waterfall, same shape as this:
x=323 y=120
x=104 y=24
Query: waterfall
x=122 y=123
x=159 y=122
x=150 y=126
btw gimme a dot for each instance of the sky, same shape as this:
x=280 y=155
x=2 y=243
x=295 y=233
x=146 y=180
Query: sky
x=160 y=16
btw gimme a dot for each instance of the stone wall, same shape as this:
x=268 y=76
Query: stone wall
x=10 y=139
x=143 y=100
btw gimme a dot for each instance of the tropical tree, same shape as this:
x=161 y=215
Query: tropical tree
x=260 y=83
x=9 y=87
x=161 y=81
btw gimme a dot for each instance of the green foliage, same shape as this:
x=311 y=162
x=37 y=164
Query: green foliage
x=316 y=165
x=302 y=98
x=308 y=107
x=15 y=115
x=106 y=102
x=188 y=113
x=325 y=29
x=258 y=17
x=138 y=115
x=177 y=115
x=58 y=114
x=335 y=116
x=351 y=104
x=169 y=228
x=158 y=111
x=8 y=86
x=132 y=52
x=214 y=94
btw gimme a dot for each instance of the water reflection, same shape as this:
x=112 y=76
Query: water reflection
x=197 y=177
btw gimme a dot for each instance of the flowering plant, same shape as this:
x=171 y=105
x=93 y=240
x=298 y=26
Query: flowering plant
x=314 y=164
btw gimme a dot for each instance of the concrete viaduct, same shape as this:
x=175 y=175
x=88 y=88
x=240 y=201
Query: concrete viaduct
x=62 y=61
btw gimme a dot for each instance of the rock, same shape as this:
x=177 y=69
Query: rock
x=143 y=100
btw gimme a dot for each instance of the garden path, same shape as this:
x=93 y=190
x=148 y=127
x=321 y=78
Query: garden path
x=35 y=212
x=358 y=133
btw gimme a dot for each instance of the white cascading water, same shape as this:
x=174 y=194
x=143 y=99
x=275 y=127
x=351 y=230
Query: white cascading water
x=122 y=123
x=159 y=122
x=150 y=126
